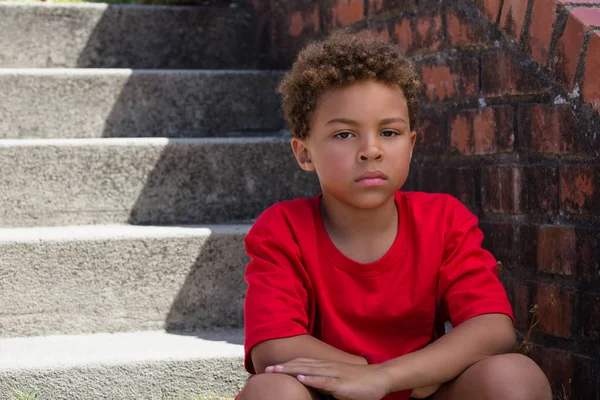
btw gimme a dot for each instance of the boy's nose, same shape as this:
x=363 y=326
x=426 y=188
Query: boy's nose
x=371 y=150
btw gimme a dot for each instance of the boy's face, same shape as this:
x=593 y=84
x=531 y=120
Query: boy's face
x=360 y=143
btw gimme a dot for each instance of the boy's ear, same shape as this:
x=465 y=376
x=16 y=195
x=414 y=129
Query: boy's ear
x=413 y=139
x=302 y=155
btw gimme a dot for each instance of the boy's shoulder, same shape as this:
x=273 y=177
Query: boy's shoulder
x=437 y=207
x=285 y=215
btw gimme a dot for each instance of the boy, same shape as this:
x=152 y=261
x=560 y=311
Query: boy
x=348 y=291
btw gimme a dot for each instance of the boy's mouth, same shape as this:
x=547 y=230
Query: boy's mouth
x=371 y=178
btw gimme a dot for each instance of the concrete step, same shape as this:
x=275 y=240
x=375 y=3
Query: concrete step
x=89 y=279
x=139 y=365
x=42 y=35
x=94 y=103
x=147 y=181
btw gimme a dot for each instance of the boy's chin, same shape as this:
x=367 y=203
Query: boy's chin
x=368 y=200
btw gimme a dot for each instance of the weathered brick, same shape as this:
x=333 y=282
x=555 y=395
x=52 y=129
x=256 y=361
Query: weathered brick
x=568 y=47
x=544 y=15
x=500 y=240
x=580 y=189
x=386 y=6
x=456 y=181
x=451 y=78
x=570 y=375
x=300 y=21
x=380 y=32
x=555 y=310
x=512 y=17
x=420 y=34
x=346 y=12
x=490 y=9
x=431 y=132
x=591 y=78
x=482 y=131
x=521 y=306
x=578 y=2
x=549 y=128
x=501 y=75
x=519 y=190
x=563 y=250
x=463 y=32
x=590 y=311
x=557 y=250
x=403 y=34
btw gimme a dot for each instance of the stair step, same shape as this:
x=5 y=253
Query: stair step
x=89 y=279
x=41 y=35
x=136 y=365
x=96 y=103
x=148 y=181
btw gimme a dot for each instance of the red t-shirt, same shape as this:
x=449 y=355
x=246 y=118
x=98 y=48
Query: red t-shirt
x=300 y=283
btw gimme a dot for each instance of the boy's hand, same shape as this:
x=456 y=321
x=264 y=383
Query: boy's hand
x=343 y=381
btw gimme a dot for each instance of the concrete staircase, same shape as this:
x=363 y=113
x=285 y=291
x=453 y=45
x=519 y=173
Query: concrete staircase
x=137 y=145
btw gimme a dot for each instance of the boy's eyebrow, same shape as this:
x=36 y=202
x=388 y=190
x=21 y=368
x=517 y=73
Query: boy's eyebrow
x=352 y=122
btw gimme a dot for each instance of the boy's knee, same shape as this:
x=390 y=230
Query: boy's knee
x=275 y=386
x=514 y=377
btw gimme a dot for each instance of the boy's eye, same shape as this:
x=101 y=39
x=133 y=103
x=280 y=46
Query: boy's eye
x=389 y=133
x=343 y=135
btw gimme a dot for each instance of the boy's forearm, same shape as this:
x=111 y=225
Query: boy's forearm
x=447 y=357
x=279 y=351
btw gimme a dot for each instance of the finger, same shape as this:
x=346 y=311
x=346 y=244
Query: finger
x=322 y=383
x=312 y=370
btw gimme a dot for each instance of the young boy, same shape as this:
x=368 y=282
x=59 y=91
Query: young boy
x=348 y=291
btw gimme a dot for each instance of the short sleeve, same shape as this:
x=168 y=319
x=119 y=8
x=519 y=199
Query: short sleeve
x=277 y=296
x=468 y=280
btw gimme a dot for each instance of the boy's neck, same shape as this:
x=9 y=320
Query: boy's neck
x=348 y=223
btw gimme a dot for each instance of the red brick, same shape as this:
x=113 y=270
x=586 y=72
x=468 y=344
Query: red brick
x=386 y=6
x=578 y=2
x=420 y=34
x=568 y=48
x=431 y=133
x=555 y=310
x=580 y=189
x=549 y=128
x=571 y=376
x=512 y=18
x=501 y=75
x=590 y=311
x=403 y=34
x=591 y=77
x=490 y=9
x=428 y=33
x=499 y=239
x=482 y=131
x=346 y=12
x=299 y=22
x=543 y=18
x=379 y=32
x=563 y=250
x=519 y=190
x=458 y=182
x=521 y=306
x=449 y=79
x=462 y=32
x=557 y=250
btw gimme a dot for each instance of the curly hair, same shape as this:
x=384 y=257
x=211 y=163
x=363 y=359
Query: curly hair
x=338 y=61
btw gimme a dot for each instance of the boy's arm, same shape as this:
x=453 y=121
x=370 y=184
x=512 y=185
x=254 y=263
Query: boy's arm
x=446 y=358
x=278 y=351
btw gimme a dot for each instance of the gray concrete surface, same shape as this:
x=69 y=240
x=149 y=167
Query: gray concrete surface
x=87 y=279
x=146 y=181
x=41 y=35
x=136 y=365
x=94 y=103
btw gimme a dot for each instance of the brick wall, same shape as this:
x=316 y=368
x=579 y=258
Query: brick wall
x=509 y=126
